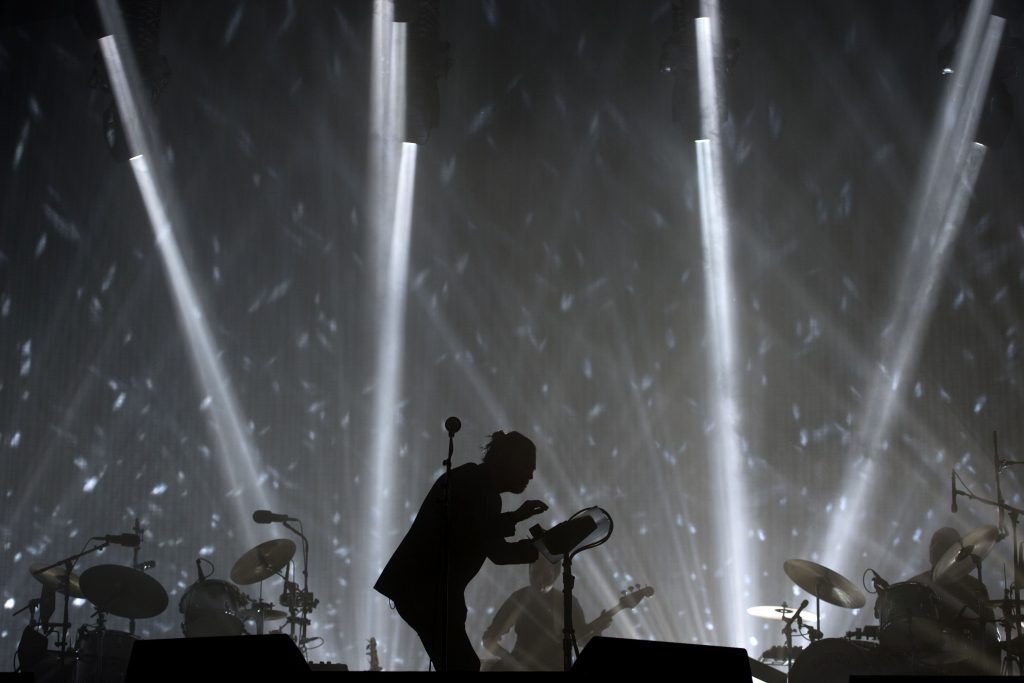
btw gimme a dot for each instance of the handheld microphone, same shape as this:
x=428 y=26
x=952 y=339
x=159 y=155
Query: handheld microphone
x=127 y=540
x=952 y=488
x=452 y=425
x=268 y=517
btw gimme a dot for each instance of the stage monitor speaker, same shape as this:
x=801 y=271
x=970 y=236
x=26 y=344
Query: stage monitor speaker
x=269 y=657
x=685 y=662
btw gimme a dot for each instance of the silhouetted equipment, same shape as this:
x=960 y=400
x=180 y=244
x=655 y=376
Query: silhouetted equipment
x=679 y=60
x=962 y=558
x=563 y=537
x=680 y=661
x=123 y=591
x=263 y=561
x=212 y=608
x=127 y=540
x=142 y=24
x=53 y=578
x=103 y=655
x=834 y=660
x=428 y=60
x=825 y=584
x=585 y=529
x=777 y=613
x=235 y=658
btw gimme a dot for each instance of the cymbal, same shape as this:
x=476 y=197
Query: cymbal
x=823 y=583
x=123 y=591
x=263 y=561
x=957 y=562
x=53 y=578
x=779 y=613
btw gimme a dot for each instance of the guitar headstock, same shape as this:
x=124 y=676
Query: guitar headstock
x=632 y=596
x=371 y=652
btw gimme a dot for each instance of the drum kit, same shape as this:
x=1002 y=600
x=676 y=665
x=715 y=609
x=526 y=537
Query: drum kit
x=209 y=607
x=916 y=633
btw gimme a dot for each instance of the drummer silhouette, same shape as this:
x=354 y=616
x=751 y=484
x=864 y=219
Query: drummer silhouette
x=414 y=577
x=966 y=621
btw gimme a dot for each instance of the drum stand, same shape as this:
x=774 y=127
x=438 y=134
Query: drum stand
x=301 y=600
x=68 y=563
x=787 y=631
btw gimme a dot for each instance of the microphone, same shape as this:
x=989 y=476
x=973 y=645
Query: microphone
x=952 y=488
x=268 y=517
x=452 y=425
x=199 y=568
x=127 y=540
x=796 y=615
x=879 y=583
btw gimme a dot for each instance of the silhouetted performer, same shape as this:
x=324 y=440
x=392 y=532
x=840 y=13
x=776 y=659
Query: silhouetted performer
x=536 y=614
x=969 y=645
x=413 y=578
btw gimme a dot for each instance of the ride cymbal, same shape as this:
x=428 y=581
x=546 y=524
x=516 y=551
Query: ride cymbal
x=825 y=584
x=263 y=561
x=123 y=591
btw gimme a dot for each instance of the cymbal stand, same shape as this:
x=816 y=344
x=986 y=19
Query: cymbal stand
x=69 y=564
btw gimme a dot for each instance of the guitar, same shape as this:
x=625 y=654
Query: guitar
x=527 y=661
x=371 y=652
x=631 y=597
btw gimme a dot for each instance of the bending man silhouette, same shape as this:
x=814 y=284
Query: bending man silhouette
x=413 y=577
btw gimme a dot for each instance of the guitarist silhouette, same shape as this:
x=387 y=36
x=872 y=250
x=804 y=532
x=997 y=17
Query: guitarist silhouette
x=535 y=613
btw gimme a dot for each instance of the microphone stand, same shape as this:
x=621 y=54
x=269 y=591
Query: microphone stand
x=451 y=425
x=138 y=529
x=307 y=601
x=68 y=563
x=787 y=630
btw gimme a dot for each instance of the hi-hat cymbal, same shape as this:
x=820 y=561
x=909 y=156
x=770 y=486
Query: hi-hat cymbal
x=263 y=561
x=53 y=578
x=779 y=613
x=823 y=583
x=123 y=591
x=959 y=560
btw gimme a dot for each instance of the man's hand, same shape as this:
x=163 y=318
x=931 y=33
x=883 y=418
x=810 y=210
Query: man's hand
x=601 y=623
x=531 y=508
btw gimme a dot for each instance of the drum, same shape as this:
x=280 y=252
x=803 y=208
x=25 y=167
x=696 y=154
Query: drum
x=212 y=608
x=908 y=615
x=103 y=656
x=834 y=660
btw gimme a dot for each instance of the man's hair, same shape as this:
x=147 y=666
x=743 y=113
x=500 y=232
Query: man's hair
x=942 y=540
x=502 y=446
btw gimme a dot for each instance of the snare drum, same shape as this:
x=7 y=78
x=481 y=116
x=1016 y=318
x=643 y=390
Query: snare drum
x=908 y=615
x=212 y=608
x=103 y=656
